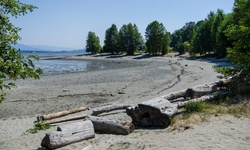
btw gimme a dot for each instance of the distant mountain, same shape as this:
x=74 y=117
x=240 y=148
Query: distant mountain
x=41 y=48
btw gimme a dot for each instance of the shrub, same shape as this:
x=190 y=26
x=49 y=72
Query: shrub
x=194 y=107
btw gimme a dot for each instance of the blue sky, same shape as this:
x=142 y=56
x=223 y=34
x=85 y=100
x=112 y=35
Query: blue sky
x=66 y=23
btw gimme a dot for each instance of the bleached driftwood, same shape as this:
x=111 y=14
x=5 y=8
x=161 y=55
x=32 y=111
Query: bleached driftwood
x=60 y=114
x=202 y=98
x=108 y=109
x=158 y=112
x=67 y=119
x=199 y=90
x=68 y=134
x=152 y=113
x=111 y=126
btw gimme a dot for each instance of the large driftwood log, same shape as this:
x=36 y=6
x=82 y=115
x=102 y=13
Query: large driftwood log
x=202 y=98
x=62 y=113
x=108 y=109
x=67 y=119
x=68 y=134
x=111 y=126
x=199 y=90
x=152 y=113
x=159 y=111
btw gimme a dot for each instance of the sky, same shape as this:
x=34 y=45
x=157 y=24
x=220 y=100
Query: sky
x=66 y=23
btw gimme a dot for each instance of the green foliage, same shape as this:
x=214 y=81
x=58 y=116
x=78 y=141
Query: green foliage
x=176 y=39
x=131 y=40
x=194 y=107
x=93 y=43
x=239 y=53
x=13 y=64
x=181 y=38
x=111 y=42
x=157 y=38
x=219 y=17
x=222 y=42
x=38 y=126
x=202 y=41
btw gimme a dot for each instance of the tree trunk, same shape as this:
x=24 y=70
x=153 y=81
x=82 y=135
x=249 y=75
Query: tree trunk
x=152 y=113
x=108 y=109
x=62 y=113
x=68 y=134
x=110 y=126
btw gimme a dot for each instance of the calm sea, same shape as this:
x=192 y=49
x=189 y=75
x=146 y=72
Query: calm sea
x=50 y=64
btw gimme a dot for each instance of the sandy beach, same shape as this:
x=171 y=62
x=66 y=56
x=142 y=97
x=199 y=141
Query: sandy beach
x=149 y=78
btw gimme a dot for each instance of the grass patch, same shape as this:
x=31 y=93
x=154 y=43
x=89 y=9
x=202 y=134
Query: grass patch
x=196 y=112
x=38 y=126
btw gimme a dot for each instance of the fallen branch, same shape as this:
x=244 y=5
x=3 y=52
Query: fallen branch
x=108 y=109
x=110 y=126
x=60 y=114
x=65 y=120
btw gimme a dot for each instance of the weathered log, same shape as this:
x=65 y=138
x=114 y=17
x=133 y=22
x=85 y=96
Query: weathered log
x=202 y=98
x=62 y=113
x=108 y=109
x=209 y=88
x=199 y=90
x=156 y=112
x=175 y=95
x=67 y=119
x=68 y=134
x=111 y=126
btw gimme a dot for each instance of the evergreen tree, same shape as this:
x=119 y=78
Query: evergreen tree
x=222 y=42
x=93 y=43
x=111 y=42
x=202 y=41
x=157 y=38
x=131 y=40
x=215 y=28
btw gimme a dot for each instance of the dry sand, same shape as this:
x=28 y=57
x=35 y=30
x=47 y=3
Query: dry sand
x=153 y=77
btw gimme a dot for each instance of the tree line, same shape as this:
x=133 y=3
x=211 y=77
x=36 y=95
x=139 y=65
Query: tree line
x=130 y=41
x=205 y=36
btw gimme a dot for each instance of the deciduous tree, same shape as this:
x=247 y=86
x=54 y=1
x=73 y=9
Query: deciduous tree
x=239 y=53
x=13 y=64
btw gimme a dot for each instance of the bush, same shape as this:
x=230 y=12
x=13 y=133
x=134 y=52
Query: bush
x=194 y=107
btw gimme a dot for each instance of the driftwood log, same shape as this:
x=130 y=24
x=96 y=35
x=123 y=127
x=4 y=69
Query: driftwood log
x=65 y=120
x=158 y=112
x=108 y=109
x=202 y=98
x=111 y=126
x=152 y=113
x=68 y=134
x=60 y=114
x=198 y=91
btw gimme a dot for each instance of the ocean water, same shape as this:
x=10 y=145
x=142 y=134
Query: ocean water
x=51 y=63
